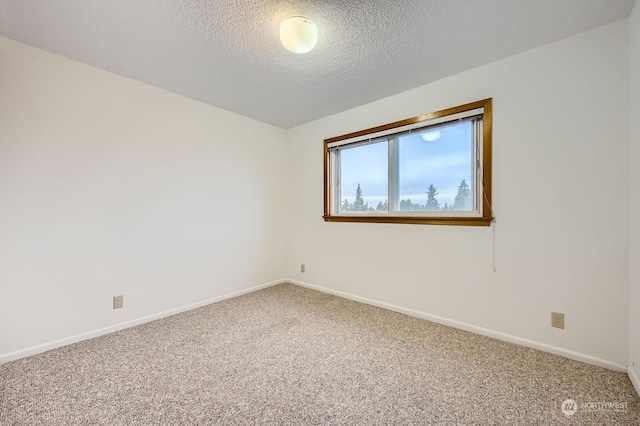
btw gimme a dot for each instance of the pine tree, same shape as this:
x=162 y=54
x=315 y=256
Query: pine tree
x=463 y=197
x=346 y=205
x=380 y=206
x=432 y=202
x=446 y=206
x=407 y=205
x=358 y=204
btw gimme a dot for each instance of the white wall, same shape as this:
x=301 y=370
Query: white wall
x=560 y=194
x=109 y=186
x=634 y=195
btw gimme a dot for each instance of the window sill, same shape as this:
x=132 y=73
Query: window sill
x=452 y=221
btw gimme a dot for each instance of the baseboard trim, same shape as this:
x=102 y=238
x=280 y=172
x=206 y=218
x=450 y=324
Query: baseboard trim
x=23 y=353
x=635 y=381
x=587 y=359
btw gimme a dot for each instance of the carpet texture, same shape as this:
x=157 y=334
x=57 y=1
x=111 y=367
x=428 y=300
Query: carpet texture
x=289 y=355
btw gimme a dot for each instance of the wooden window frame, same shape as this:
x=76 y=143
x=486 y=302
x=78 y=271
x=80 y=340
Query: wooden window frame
x=486 y=215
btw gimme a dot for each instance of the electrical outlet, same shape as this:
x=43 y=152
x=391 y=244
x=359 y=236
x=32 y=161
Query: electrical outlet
x=302 y=268
x=557 y=320
x=118 y=302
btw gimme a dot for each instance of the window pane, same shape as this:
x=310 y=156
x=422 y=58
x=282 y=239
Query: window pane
x=364 y=178
x=435 y=169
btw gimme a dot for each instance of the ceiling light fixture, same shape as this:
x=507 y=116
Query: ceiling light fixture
x=298 y=34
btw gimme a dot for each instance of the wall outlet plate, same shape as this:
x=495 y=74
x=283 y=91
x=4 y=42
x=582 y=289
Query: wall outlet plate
x=118 y=301
x=557 y=320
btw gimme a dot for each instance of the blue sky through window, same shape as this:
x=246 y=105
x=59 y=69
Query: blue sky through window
x=366 y=165
x=423 y=161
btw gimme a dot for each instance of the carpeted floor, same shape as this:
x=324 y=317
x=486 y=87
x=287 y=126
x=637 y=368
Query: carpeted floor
x=289 y=355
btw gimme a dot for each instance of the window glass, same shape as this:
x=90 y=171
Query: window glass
x=435 y=169
x=364 y=178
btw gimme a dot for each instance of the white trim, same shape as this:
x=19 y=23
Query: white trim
x=635 y=381
x=587 y=359
x=23 y=353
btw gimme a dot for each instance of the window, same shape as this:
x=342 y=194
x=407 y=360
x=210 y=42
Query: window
x=430 y=169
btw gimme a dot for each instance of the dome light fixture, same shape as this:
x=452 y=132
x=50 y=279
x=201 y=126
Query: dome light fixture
x=298 y=34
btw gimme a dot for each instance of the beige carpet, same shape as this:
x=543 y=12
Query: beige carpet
x=289 y=355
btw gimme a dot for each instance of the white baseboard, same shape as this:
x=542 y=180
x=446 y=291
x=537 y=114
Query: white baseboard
x=12 y=356
x=587 y=359
x=635 y=380
x=23 y=353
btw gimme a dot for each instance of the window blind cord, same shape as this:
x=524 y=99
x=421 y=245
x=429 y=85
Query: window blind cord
x=493 y=216
x=493 y=225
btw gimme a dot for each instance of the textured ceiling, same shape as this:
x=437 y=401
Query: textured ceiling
x=227 y=53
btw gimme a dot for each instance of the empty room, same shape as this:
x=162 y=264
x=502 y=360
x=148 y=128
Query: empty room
x=325 y=213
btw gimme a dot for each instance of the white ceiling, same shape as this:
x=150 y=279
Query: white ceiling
x=227 y=53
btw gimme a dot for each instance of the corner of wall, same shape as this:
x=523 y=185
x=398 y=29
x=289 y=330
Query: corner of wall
x=634 y=197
